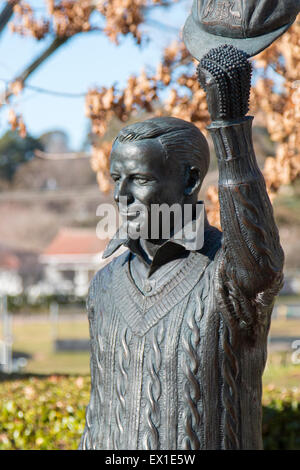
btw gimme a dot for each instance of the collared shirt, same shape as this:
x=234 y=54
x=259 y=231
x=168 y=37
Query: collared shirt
x=149 y=274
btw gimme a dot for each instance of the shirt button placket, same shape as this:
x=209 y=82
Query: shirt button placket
x=148 y=287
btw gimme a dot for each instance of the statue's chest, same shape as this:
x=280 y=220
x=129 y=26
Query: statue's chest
x=142 y=335
x=141 y=311
x=144 y=374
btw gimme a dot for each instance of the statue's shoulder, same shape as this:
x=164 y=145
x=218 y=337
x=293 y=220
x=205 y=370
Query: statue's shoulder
x=99 y=295
x=102 y=280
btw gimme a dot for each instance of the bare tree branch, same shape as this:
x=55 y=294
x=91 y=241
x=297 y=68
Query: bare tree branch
x=162 y=26
x=6 y=13
x=56 y=43
x=167 y=3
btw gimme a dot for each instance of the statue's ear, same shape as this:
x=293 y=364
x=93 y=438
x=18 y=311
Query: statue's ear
x=192 y=180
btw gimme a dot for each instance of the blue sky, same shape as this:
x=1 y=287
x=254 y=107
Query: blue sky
x=87 y=60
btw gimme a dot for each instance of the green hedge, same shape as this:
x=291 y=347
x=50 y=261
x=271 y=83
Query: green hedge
x=21 y=303
x=49 y=413
x=39 y=413
x=281 y=419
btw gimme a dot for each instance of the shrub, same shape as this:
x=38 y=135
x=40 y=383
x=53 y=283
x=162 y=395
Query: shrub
x=39 y=413
x=49 y=413
x=281 y=419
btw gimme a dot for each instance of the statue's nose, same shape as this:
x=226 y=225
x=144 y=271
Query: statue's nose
x=122 y=190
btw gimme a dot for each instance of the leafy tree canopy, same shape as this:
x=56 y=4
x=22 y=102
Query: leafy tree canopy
x=14 y=151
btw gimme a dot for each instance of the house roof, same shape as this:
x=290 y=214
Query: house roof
x=73 y=241
x=8 y=260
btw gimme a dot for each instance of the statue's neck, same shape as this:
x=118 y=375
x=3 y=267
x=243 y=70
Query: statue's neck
x=149 y=248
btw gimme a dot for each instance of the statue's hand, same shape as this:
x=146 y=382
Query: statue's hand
x=225 y=75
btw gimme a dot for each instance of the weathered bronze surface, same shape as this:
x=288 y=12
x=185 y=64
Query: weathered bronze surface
x=179 y=337
x=249 y=25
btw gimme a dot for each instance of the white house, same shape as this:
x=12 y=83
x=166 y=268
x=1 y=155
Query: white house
x=70 y=261
x=10 y=280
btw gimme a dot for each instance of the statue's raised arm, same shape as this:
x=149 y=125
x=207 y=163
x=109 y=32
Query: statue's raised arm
x=251 y=258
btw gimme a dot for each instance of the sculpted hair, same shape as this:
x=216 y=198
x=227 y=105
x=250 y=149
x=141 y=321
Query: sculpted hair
x=180 y=139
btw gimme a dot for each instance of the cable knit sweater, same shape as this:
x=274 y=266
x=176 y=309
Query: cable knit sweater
x=180 y=366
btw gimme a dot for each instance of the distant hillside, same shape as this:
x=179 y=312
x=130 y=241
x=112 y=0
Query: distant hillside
x=57 y=174
x=32 y=218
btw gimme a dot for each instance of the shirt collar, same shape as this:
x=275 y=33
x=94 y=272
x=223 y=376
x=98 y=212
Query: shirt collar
x=191 y=238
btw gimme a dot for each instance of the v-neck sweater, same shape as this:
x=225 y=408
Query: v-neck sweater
x=180 y=366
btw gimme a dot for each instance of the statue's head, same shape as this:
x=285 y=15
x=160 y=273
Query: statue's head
x=161 y=160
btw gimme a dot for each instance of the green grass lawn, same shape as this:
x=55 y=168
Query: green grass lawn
x=37 y=339
x=280 y=371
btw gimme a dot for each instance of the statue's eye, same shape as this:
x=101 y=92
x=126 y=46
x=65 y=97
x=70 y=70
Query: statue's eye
x=142 y=180
x=115 y=178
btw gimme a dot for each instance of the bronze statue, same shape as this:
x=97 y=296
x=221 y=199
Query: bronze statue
x=249 y=25
x=179 y=336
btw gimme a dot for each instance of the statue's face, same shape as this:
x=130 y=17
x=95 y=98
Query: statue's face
x=142 y=175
